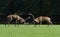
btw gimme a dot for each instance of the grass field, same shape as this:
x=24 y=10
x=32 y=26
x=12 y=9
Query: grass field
x=29 y=31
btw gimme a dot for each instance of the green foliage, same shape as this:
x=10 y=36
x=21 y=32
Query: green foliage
x=37 y=7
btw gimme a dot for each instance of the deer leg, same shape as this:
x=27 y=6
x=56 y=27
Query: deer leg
x=40 y=21
x=16 y=22
x=9 y=22
x=24 y=22
x=49 y=21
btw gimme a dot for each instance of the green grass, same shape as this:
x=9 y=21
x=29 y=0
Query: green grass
x=29 y=31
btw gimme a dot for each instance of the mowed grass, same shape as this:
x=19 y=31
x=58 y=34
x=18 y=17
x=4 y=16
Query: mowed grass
x=29 y=31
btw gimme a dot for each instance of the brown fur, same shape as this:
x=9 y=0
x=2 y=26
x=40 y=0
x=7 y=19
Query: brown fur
x=16 y=17
x=40 y=19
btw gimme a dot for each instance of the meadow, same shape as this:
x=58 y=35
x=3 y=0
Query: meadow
x=29 y=31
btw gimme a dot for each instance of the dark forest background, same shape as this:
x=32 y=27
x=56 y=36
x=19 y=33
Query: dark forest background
x=49 y=8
